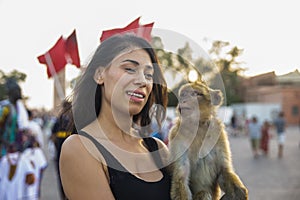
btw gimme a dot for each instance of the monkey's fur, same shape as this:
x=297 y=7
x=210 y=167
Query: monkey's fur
x=199 y=147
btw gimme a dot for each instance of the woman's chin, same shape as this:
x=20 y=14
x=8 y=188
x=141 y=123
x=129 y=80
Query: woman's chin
x=134 y=112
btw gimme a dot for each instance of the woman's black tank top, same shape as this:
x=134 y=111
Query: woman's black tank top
x=126 y=186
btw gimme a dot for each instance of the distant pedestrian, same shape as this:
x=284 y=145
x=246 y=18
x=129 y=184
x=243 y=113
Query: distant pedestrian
x=38 y=161
x=280 y=125
x=254 y=129
x=265 y=137
x=13 y=119
x=299 y=130
x=35 y=129
x=59 y=135
x=16 y=175
x=233 y=124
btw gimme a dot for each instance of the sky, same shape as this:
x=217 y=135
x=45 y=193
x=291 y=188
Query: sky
x=268 y=31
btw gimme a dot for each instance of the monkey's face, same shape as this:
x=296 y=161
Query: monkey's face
x=197 y=98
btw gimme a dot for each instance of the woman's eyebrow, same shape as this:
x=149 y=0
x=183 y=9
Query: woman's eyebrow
x=149 y=67
x=131 y=61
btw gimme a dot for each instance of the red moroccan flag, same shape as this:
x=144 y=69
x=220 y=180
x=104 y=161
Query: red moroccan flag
x=132 y=27
x=63 y=52
x=72 y=53
x=145 y=31
x=54 y=58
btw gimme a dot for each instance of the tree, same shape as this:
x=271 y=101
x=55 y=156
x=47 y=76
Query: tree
x=221 y=54
x=175 y=66
x=229 y=69
x=18 y=76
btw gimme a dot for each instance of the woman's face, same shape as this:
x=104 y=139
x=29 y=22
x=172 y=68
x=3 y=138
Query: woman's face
x=128 y=82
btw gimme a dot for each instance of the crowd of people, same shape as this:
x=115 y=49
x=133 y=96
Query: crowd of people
x=22 y=144
x=260 y=133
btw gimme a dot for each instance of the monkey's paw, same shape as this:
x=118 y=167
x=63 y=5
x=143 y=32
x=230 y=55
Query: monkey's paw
x=240 y=193
x=202 y=195
x=181 y=194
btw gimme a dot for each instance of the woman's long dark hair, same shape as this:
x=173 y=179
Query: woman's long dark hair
x=86 y=97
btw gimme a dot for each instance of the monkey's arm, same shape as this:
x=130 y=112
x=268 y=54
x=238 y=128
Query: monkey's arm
x=180 y=167
x=180 y=179
x=232 y=186
x=228 y=180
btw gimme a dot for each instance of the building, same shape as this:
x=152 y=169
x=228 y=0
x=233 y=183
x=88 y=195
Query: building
x=283 y=90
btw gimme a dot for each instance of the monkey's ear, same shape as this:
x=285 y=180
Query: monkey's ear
x=216 y=97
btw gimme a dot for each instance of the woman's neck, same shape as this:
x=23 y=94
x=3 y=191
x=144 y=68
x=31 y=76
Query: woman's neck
x=114 y=125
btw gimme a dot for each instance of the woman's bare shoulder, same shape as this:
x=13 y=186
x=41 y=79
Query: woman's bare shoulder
x=73 y=145
x=80 y=147
x=80 y=168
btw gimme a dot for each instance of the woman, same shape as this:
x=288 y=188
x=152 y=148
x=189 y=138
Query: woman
x=108 y=158
x=265 y=137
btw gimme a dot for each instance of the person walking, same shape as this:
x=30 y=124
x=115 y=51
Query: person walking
x=13 y=119
x=254 y=129
x=16 y=174
x=233 y=124
x=34 y=153
x=60 y=133
x=280 y=124
x=265 y=138
x=35 y=129
x=299 y=131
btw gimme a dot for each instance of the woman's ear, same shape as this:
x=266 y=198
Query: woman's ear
x=98 y=76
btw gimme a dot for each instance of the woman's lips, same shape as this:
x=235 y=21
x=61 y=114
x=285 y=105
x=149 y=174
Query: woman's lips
x=136 y=96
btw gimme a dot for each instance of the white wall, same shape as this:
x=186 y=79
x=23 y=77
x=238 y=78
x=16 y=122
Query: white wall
x=263 y=111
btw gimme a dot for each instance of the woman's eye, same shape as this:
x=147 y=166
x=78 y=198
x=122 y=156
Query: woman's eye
x=130 y=70
x=149 y=76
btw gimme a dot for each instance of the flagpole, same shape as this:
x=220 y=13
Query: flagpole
x=59 y=81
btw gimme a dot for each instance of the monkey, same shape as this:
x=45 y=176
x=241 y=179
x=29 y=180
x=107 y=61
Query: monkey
x=200 y=156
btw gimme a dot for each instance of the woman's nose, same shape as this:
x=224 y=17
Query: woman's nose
x=140 y=79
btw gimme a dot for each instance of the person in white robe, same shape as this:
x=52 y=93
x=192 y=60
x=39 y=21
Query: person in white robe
x=38 y=161
x=35 y=129
x=16 y=174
